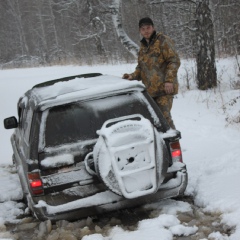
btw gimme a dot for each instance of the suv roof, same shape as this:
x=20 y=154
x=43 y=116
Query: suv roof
x=66 y=90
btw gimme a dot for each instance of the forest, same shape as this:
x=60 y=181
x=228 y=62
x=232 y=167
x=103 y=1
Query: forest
x=50 y=32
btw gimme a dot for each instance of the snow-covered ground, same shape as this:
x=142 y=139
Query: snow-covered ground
x=210 y=143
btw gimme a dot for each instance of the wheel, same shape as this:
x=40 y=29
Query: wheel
x=128 y=158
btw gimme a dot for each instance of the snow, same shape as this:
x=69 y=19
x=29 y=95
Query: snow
x=57 y=161
x=164 y=226
x=85 y=84
x=64 y=92
x=97 y=199
x=12 y=191
x=210 y=143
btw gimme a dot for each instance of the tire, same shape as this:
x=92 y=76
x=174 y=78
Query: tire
x=128 y=158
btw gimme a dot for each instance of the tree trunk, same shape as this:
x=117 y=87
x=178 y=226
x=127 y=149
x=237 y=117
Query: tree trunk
x=117 y=22
x=97 y=24
x=43 y=36
x=206 y=69
x=17 y=14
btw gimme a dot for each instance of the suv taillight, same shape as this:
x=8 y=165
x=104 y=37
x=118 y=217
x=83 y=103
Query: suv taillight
x=176 y=151
x=35 y=183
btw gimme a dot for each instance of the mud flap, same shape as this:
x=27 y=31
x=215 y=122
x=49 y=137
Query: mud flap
x=125 y=156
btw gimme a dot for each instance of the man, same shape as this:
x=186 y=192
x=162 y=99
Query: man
x=158 y=63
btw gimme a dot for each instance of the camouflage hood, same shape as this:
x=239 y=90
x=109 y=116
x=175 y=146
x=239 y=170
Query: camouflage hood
x=158 y=62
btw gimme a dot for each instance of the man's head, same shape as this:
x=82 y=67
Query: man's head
x=145 y=21
x=146 y=27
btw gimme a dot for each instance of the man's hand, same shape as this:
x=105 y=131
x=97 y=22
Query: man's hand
x=127 y=76
x=168 y=87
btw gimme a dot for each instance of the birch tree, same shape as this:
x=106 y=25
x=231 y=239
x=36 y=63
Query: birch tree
x=40 y=30
x=206 y=68
x=99 y=28
x=227 y=21
x=131 y=46
x=205 y=50
x=14 y=10
x=55 y=50
x=93 y=31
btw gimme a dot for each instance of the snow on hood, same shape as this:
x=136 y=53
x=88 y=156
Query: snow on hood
x=80 y=88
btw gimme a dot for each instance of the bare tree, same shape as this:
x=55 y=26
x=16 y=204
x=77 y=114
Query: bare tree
x=226 y=15
x=40 y=30
x=117 y=21
x=93 y=31
x=206 y=69
x=16 y=13
x=205 y=51
x=99 y=28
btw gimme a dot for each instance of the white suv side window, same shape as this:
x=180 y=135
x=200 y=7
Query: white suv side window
x=27 y=124
x=25 y=120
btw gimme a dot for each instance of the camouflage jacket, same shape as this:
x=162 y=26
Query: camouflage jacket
x=158 y=63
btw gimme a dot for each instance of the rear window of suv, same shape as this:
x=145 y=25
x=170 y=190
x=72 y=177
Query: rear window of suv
x=79 y=121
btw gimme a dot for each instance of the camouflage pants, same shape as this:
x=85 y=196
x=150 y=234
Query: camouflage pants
x=165 y=104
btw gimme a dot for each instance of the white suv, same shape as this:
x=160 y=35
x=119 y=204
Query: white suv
x=92 y=143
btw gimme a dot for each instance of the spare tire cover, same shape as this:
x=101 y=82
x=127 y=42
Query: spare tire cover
x=128 y=156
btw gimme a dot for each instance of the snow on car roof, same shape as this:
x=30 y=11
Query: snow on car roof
x=63 y=92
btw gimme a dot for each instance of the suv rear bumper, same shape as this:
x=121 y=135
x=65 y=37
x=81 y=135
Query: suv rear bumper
x=108 y=201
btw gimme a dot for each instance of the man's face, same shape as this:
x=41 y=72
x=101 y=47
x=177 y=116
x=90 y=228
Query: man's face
x=146 y=31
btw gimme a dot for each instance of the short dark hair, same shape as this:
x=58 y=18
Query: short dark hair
x=145 y=21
